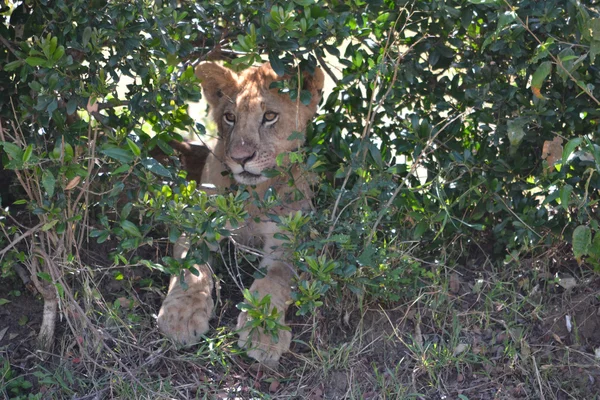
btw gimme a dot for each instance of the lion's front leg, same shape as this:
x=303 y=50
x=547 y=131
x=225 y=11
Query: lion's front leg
x=185 y=312
x=260 y=344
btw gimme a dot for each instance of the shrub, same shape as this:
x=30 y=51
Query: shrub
x=450 y=125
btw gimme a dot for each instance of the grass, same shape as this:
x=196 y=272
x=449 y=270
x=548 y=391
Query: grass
x=472 y=332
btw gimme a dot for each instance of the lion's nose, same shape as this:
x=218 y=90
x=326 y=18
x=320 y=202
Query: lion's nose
x=242 y=156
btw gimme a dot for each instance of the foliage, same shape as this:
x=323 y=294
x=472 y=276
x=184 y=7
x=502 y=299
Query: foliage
x=451 y=125
x=261 y=315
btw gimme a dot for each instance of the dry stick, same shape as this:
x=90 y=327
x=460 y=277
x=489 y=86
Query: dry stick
x=412 y=171
x=59 y=278
x=7 y=44
x=22 y=236
x=323 y=63
x=539 y=379
x=556 y=60
x=87 y=182
x=516 y=216
x=46 y=333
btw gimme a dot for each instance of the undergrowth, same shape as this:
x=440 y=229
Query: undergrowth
x=453 y=246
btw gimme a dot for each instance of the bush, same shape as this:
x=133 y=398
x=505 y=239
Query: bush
x=451 y=125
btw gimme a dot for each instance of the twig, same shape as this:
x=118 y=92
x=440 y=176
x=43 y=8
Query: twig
x=539 y=379
x=7 y=44
x=516 y=216
x=113 y=104
x=328 y=70
x=19 y=238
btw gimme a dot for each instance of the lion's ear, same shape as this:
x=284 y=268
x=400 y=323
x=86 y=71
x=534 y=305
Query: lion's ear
x=314 y=84
x=217 y=81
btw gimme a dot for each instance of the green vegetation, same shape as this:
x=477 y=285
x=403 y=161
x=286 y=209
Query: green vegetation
x=459 y=165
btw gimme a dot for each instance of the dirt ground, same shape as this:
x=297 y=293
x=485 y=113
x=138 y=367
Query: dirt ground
x=20 y=318
x=477 y=334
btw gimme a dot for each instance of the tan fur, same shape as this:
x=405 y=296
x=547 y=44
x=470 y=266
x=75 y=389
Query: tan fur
x=250 y=139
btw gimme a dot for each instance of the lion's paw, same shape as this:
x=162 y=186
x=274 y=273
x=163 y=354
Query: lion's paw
x=261 y=345
x=184 y=316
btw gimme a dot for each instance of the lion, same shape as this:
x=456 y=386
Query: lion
x=255 y=125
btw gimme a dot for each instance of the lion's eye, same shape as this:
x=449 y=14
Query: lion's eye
x=229 y=118
x=270 y=117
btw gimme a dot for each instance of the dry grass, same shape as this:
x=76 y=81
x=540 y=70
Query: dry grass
x=475 y=333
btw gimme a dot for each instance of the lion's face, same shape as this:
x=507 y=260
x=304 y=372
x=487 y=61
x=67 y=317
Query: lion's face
x=255 y=121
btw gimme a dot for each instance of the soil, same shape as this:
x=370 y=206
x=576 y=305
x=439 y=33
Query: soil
x=20 y=318
x=378 y=349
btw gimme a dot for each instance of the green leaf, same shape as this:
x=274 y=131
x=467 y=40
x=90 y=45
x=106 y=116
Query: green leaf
x=44 y=276
x=130 y=228
x=569 y=148
x=174 y=234
x=60 y=289
x=72 y=105
x=35 y=85
x=52 y=106
x=58 y=53
x=505 y=18
x=366 y=258
x=87 y=34
x=542 y=51
x=27 y=153
x=592 y=30
x=382 y=18
x=376 y=154
x=581 y=241
x=118 y=153
x=420 y=229
x=4 y=301
x=35 y=61
x=11 y=66
x=155 y=167
x=595 y=247
x=126 y=211
x=13 y=150
x=49 y=182
x=566 y=57
x=271 y=172
x=134 y=147
x=95 y=232
x=305 y=97
x=296 y=135
x=304 y=3
x=594 y=50
x=276 y=64
x=565 y=195
x=540 y=75
x=49 y=225
x=53 y=44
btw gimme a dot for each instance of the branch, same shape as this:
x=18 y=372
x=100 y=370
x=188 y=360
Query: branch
x=113 y=104
x=326 y=68
x=7 y=44
x=19 y=238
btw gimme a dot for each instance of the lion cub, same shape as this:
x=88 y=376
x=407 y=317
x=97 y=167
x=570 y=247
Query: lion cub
x=255 y=123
